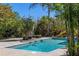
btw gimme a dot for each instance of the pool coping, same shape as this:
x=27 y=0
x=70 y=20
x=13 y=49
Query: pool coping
x=32 y=52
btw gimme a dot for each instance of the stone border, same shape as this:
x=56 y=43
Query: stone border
x=16 y=52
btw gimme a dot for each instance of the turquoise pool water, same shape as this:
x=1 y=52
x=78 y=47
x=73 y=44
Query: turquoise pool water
x=43 y=45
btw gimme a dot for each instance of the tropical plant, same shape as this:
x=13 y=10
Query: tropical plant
x=28 y=27
x=67 y=11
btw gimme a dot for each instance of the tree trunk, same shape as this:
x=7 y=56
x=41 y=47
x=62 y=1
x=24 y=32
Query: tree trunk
x=70 y=29
x=78 y=40
x=48 y=11
x=48 y=19
x=77 y=14
x=71 y=32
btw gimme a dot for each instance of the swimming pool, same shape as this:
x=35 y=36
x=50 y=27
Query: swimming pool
x=43 y=45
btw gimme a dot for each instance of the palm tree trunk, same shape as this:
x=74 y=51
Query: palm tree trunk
x=78 y=40
x=67 y=28
x=48 y=11
x=70 y=29
x=77 y=14
x=48 y=19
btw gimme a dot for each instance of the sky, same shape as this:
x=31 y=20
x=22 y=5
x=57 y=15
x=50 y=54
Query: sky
x=24 y=11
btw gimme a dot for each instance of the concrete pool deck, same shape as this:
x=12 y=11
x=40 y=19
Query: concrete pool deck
x=16 y=52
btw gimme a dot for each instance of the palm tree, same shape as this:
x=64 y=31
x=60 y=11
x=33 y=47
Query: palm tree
x=76 y=11
x=69 y=22
x=76 y=20
x=49 y=8
x=44 y=5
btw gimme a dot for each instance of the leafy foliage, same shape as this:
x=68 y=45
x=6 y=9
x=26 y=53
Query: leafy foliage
x=11 y=24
